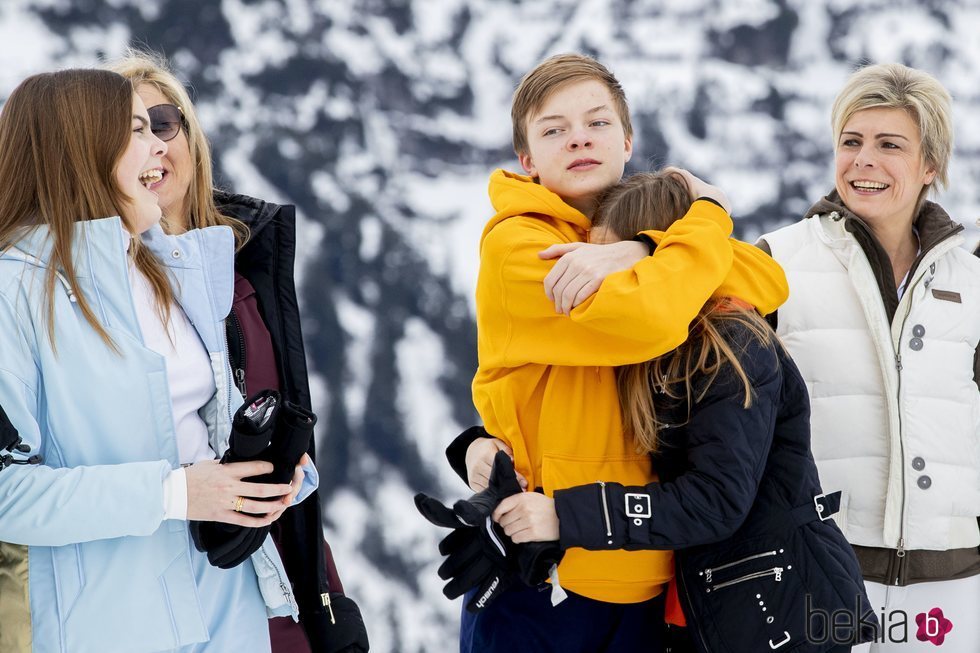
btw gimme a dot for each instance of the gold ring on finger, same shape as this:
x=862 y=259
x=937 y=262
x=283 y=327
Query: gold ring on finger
x=239 y=502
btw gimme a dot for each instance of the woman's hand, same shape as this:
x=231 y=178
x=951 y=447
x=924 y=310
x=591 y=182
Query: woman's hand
x=479 y=462
x=582 y=267
x=213 y=492
x=701 y=188
x=528 y=517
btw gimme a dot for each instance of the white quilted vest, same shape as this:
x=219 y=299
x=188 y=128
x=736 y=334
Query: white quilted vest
x=895 y=410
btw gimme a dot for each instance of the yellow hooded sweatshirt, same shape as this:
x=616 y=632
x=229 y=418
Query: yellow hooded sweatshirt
x=546 y=384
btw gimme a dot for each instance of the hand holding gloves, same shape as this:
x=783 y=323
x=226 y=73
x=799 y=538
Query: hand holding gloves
x=479 y=554
x=477 y=547
x=264 y=428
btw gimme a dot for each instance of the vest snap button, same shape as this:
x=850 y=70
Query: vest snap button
x=918 y=331
x=175 y=253
x=918 y=463
x=915 y=344
x=924 y=482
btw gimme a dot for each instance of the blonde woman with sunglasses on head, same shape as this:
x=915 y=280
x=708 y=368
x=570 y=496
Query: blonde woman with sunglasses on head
x=264 y=338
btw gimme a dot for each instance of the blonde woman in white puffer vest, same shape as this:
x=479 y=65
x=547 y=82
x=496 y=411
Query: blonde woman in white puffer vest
x=883 y=320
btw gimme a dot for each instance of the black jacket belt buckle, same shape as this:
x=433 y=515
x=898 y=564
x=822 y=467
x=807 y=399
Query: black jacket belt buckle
x=638 y=507
x=827 y=505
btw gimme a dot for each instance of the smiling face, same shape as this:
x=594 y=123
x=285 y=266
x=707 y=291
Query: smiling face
x=138 y=169
x=178 y=167
x=577 y=146
x=880 y=170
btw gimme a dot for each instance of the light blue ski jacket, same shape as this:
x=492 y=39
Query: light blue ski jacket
x=106 y=572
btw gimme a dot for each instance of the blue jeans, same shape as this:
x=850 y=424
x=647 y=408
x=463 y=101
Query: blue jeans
x=523 y=619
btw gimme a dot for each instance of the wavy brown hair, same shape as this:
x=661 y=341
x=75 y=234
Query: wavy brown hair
x=61 y=137
x=653 y=201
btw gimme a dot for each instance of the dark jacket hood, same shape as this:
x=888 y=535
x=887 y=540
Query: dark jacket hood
x=255 y=213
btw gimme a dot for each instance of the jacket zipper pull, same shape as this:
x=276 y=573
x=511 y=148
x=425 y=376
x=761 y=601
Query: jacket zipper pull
x=240 y=381
x=900 y=554
x=605 y=512
x=288 y=594
x=898 y=362
x=325 y=599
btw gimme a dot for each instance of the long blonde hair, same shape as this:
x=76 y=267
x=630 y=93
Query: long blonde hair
x=653 y=201
x=145 y=67
x=62 y=135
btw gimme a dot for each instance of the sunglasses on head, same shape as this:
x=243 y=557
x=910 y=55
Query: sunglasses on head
x=166 y=120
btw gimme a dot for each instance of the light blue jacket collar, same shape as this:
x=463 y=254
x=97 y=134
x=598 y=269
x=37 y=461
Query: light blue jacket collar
x=99 y=255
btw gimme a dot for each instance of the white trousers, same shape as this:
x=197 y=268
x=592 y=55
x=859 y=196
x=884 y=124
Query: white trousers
x=926 y=609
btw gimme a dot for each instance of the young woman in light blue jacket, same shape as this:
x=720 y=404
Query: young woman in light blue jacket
x=114 y=373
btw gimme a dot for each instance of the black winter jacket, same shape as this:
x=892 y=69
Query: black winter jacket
x=266 y=261
x=757 y=567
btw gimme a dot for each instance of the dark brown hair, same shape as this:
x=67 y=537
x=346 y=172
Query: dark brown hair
x=653 y=201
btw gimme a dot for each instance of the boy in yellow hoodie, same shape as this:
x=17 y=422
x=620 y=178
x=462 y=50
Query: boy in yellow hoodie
x=550 y=334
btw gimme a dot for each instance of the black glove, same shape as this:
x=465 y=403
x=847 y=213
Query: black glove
x=503 y=483
x=264 y=428
x=532 y=560
x=294 y=428
x=338 y=629
x=252 y=427
x=535 y=559
x=479 y=554
x=477 y=557
x=251 y=432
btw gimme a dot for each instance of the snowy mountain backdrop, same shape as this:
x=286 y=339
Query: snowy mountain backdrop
x=382 y=119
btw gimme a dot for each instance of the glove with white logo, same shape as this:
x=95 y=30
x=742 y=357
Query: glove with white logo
x=479 y=554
